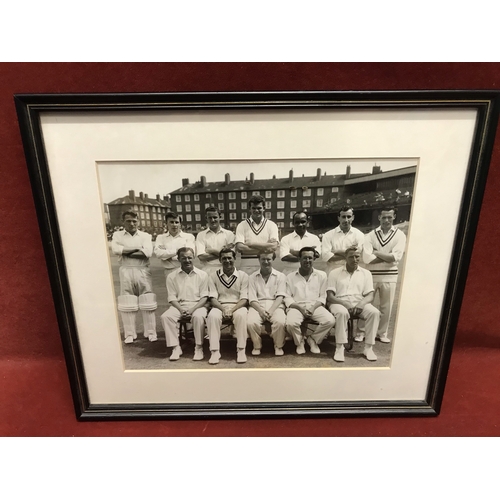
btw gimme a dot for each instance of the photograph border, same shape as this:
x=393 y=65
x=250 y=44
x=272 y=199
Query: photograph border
x=31 y=106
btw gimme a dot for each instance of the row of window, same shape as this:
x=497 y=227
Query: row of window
x=146 y=215
x=244 y=205
x=267 y=194
x=141 y=208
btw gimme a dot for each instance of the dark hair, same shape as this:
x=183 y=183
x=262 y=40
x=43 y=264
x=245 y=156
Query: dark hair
x=266 y=252
x=172 y=215
x=256 y=199
x=388 y=208
x=184 y=250
x=346 y=208
x=212 y=208
x=299 y=212
x=307 y=249
x=129 y=212
x=227 y=250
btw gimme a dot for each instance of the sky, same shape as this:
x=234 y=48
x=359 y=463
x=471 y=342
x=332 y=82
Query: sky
x=116 y=179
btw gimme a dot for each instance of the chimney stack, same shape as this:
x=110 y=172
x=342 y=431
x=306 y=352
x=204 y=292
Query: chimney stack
x=141 y=195
x=131 y=193
x=158 y=197
x=376 y=169
x=145 y=196
x=290 y=175
x=203 y=181
x=318 y=174
x=252 y=178
x=185 y=182
x=348 y=172
x=227 y=179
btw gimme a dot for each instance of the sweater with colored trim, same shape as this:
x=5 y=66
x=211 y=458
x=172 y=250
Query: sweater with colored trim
x=394 y=242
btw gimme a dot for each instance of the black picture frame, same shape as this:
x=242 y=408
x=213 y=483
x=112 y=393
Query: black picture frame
x=30 y=108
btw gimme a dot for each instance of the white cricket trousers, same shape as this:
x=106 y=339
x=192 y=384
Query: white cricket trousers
x=255 y=322
x=370 y=314
x=170 y=318
x=294 y=319
x=214 y=323
x=387 y=292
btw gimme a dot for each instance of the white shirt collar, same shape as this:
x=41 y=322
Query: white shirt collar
x=195 y=271
x=314 y=272
x=180 y=233
x=210 y=231
x=273 y=272
x=339 y=230
x=344 y=268
x=130 y=234
x=307 y=233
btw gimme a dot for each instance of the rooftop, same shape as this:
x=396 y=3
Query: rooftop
x=381 y=175
x=290 y=182
x=142 y=199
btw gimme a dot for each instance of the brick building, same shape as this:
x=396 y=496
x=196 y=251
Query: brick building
x=284 y=196
x=151 y=210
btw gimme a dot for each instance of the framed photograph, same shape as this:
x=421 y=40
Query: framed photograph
x=258 y=254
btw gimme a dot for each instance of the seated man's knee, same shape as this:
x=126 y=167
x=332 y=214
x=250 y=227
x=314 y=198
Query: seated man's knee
x=340 y=312
x=253 y=323
x=330 y=321
x=294 y=321
x=170 y=314
x=278 y=322
x=241 y=313
x=200 y=313
x=215 y=314
x=371 y=312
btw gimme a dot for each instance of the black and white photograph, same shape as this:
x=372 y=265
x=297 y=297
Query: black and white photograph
x=350 y=218
x=257 y=254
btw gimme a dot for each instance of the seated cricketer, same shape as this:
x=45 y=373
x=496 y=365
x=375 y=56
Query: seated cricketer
x=229 y=299
x=266 y=294
x=188 y=291
x=350 y=292
x=306 y=299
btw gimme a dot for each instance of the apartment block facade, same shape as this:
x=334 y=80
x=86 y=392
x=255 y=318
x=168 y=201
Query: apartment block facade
x=283 y=198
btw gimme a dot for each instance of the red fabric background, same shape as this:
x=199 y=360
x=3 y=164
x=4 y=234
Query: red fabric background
x=35 y=398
